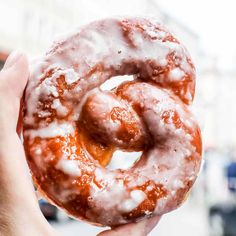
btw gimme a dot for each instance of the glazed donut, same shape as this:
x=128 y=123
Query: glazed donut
x=72 y=127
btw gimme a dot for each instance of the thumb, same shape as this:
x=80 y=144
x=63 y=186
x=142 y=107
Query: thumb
x=13 y=79
x=18 y=203
x=15 y=74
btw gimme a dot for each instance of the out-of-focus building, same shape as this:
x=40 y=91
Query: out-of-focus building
x=31 y=25
x=217 y=91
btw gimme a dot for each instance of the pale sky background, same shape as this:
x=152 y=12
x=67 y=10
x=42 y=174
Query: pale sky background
x=213 y=21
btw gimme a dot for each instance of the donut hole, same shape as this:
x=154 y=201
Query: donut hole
x=115 y=82
x=123 y=160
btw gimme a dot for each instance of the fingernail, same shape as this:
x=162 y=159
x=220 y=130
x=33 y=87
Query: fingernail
x=12 y=59
x=151 y=223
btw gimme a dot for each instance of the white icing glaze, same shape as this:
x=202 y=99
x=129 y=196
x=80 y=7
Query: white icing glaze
x=101 y=199
x=188 y=95
x=47 y=88
x=69 y=167
x=43 y=114
x=136 y=198
x=149 y=188
x=38 y=151
x=54 y=129
x=176 y=74
x=70 y=76
x=60 y=109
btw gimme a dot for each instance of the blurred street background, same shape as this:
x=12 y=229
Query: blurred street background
x=207 y=29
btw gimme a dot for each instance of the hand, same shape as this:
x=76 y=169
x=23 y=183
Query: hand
x=20 y=213
x=141 y=228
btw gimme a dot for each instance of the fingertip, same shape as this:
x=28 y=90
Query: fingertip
x=12 y=59
x=141 y=228
x=21 y=65
x=18 y=61
x=151 y=223
x=16 y=72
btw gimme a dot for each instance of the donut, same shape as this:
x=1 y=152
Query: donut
x=72 y=126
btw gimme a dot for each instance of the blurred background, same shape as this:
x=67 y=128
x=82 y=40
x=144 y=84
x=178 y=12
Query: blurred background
x=207 y=29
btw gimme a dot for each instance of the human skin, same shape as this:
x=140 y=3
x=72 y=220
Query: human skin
x=20 y=213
